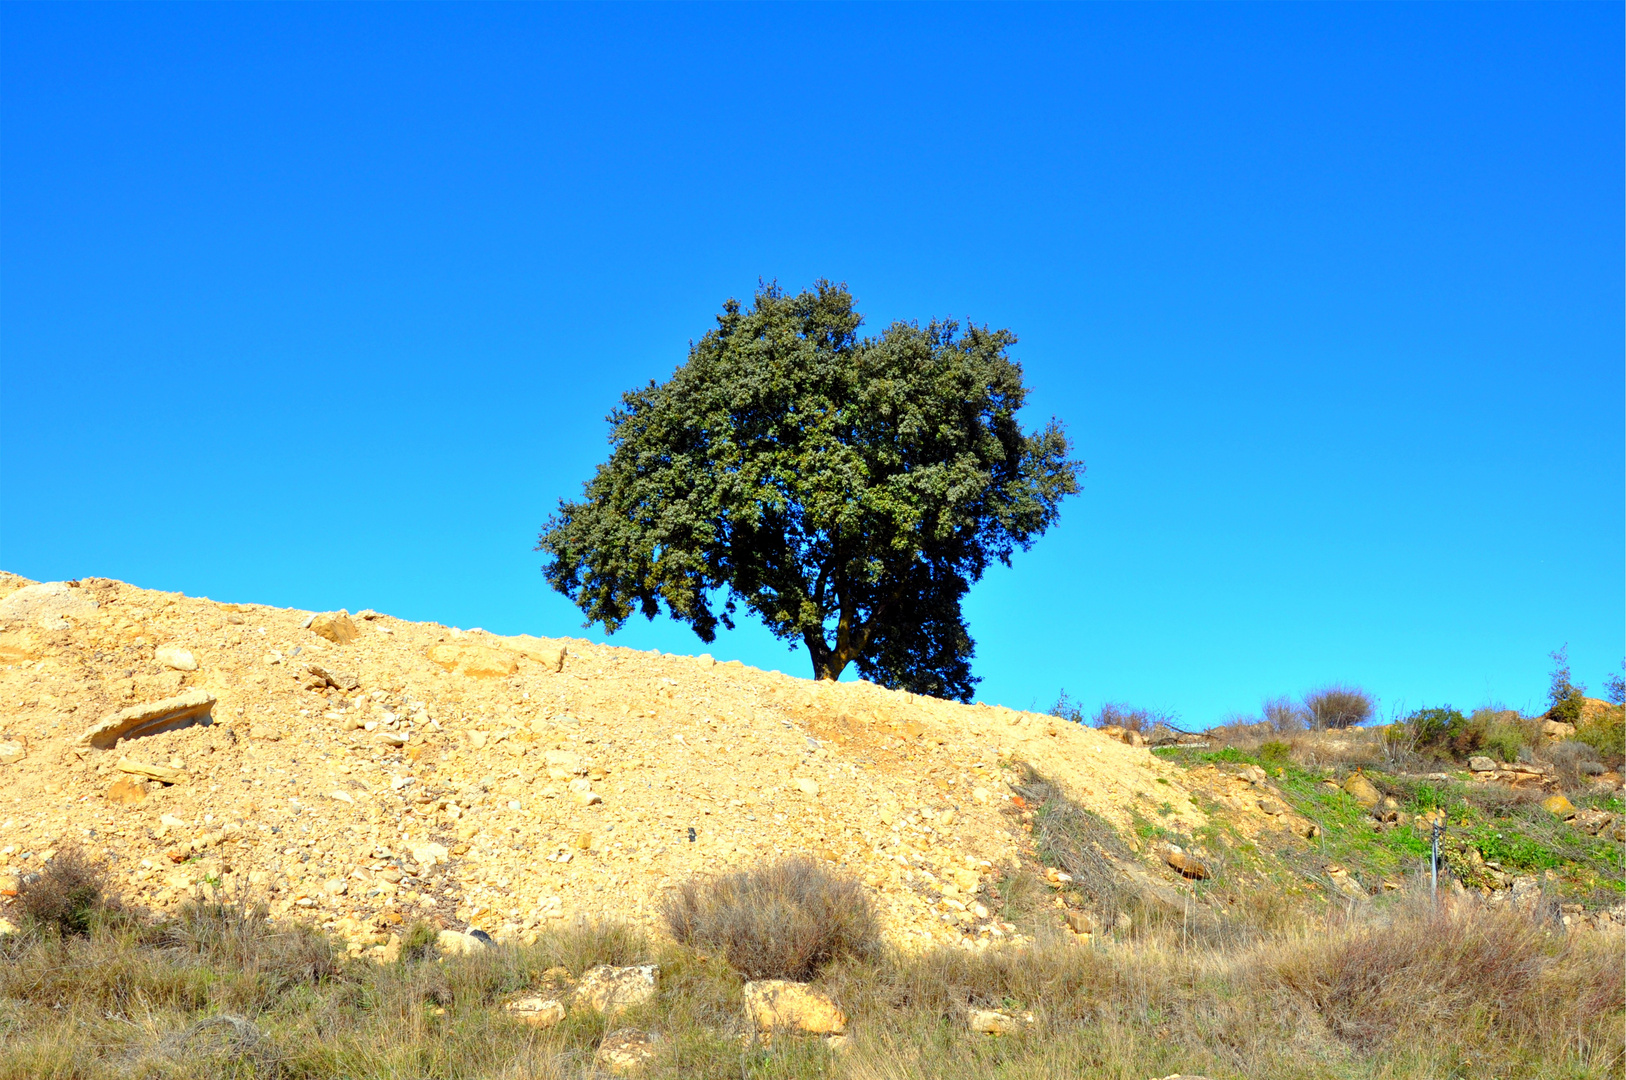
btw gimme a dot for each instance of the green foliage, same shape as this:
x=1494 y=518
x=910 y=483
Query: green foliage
x=845 y=490
x=1605 y=732
x=1566 y=697
x=418 y=943
x=1435 y=727
x=1274 y=752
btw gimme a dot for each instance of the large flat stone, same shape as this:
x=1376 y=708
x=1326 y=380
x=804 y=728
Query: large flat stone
x=147 y=719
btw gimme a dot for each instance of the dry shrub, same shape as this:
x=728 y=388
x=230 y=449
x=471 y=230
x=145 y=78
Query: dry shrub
x=1338 y=706
x=68 y=896
x=1077 y=841
x=787 y=920
x=240 y=936
x=1433 y=968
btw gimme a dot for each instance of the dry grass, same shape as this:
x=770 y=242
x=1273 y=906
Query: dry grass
x=787 y=920
x=1407 y=992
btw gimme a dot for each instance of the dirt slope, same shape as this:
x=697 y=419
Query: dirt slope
x=500 y=782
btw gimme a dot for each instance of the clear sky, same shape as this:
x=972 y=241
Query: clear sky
x=324 y=306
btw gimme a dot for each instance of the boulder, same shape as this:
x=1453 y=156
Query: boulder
x=626 y=1052
x=609 y=990
x=336 y=626
x=780 y=1005
x=147 y=719
x=1481 y=763
x=1558 y=806
x=474 y=660
x=1363 y=790
x=536 y=1011
x=1185 y=865
x=453 y=943
x=47 y=605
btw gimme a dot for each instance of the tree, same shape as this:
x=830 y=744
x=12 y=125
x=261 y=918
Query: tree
x=845 y=490
x=1566 y=697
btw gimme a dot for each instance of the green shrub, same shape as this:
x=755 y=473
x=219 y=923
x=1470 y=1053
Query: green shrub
x=1275 y=751
x=1435 y=727
x=1566 y=697
x=1605 y=732
x=418 y=942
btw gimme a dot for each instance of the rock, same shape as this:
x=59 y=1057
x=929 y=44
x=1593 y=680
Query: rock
x=807 y=786
x=1558 y=806
x=582 y=792
x=551 y=656
x=1253 y=774
x=10 y=884
x=390 y=738
x=452 y=943
x=172 y=656
x=1123 y=735
x=1186 y=865
x=1273 y=807
x=1557 y=730
x=428 y=854
x=1363 y=790
x=7 y=927
x=625 y=1052
x=12 y=752
x=162 y=773
x=536 y=1011
x=1481 y=763
x=562 y=764
x=966 y=879
x=335 y=886
x=989 y=1022
x=48 y=605
x=780 y=1005
x=609 y=990
x=1082 y=922
x=125 y=793
x=335 y=626
x=475 y=661
x=147 y=719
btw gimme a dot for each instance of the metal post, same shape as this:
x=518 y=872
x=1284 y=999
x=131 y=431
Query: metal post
x=1434 y=859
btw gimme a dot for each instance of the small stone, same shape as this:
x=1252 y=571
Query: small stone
x=980 y=795
x=609 y=990
x=989 y=1022
x=626 y=1052
x=536 y=1011
x=10 y=884
x=12 y=752
x=1481 y=763
x=474 y=661
x=390 y=738
x=162 y=773
x=335 y=886
x=807 y=786
x=582 y=792
x=126 y=793
x=429 y=853
x=1082 y=922
x=1273 y=807
x=173 y=656
x=780 y=1004
x=584 y=841
x=335 y=626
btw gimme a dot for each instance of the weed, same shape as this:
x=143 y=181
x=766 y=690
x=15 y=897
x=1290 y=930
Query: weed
x=68 y=896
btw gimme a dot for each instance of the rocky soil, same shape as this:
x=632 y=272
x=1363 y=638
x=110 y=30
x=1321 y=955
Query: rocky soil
x=364 y=771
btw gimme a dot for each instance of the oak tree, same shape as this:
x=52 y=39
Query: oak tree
x=847 y=490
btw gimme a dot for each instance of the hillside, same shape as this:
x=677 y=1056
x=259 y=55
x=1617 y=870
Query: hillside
x=363 y=769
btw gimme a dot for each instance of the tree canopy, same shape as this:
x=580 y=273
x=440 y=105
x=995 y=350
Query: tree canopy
x=845 y=490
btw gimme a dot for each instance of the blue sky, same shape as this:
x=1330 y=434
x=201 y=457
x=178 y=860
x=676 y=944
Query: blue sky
x=324 y=306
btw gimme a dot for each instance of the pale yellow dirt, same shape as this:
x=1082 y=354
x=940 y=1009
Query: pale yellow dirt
x=701 y=767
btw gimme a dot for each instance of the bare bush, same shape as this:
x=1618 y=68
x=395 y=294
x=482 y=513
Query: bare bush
x=1338 y=706
x=787 y=920
x=68 y=896
x=1130 y=718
